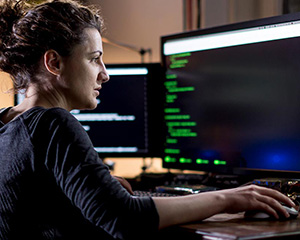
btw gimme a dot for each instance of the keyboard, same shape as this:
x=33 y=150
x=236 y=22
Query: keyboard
x=139 y=193
x=175 y=190
x=185 y=189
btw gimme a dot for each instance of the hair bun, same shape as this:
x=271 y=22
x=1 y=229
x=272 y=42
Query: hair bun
x=10 y=12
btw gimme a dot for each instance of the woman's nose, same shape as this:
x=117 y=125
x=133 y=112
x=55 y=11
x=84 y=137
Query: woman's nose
x=103 y=76
x=106 y=77
x=104 y=73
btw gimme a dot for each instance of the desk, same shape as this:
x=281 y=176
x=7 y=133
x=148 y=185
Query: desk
x=235 y=227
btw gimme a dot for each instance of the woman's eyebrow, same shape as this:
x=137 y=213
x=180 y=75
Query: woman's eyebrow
x=97 y=51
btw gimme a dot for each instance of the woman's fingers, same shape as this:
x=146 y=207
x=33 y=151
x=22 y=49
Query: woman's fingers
x=271 y=206
x=254 y=197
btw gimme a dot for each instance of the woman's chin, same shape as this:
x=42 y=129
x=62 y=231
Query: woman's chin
x=92 y=105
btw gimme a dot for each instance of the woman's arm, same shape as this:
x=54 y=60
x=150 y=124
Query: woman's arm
x=178 y=210
x=88 y=187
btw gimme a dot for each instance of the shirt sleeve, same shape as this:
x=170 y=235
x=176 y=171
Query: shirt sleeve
x=86 y=181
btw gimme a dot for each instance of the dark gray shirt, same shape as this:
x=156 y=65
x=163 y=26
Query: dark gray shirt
x=54 y=186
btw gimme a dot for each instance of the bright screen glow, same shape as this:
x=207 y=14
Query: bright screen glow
x=233 y=38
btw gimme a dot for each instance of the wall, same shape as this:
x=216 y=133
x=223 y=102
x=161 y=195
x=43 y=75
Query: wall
x=6 y=99
x=138 y=24
x=244 y=10
x=220 y=12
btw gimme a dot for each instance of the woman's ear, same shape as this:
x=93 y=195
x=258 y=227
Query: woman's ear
x=53 y=62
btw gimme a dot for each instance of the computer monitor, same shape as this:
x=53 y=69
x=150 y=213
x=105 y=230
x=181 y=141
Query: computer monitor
x=233 y=98
x=126 y=121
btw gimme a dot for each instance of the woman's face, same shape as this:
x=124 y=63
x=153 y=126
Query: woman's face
x=84 y=72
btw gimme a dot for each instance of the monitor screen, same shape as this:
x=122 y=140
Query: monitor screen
x=233 y=97
x=126 y=121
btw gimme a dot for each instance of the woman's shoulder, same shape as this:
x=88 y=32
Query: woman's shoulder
x=51 y=113
x=45 y=123
x=49 y=117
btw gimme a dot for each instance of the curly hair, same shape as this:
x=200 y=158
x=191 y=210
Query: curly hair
x=26 y=33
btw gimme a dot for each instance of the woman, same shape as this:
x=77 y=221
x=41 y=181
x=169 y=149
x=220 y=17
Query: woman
x=52 y=183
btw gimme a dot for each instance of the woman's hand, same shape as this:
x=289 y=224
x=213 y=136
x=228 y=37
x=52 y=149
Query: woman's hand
x=254 y=197
x=196 y=207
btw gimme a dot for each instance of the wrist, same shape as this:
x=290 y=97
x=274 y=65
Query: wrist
x=223 y=201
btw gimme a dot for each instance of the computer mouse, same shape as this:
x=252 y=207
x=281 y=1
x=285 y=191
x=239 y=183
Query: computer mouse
x=262 y=215
x=256 y=215
x=292 y=211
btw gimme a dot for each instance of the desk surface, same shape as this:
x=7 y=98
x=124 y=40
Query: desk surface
x=234 y=226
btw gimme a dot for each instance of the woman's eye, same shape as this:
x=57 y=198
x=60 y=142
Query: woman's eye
x=96 y=59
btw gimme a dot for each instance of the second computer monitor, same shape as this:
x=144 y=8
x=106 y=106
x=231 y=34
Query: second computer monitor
x=126 y=120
